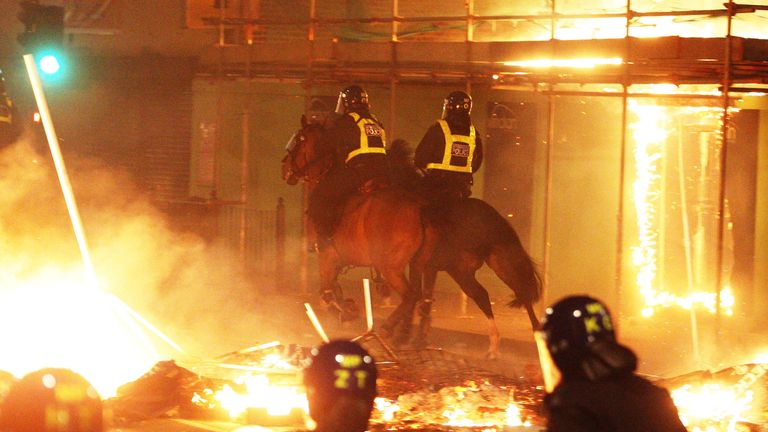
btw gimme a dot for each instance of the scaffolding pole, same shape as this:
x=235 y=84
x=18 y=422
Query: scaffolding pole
x=726 y=84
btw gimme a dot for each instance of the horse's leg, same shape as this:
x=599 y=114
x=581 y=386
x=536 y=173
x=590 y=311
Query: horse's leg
x=382 y=288
x=403 y=314
x=428 y=278
x=475 y=291
x=330 y=291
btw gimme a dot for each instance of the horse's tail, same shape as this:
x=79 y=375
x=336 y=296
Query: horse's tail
x=508 y=258
x=514 y=266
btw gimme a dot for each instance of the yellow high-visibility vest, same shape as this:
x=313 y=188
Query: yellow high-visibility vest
x=368 y=128
x=460 y=146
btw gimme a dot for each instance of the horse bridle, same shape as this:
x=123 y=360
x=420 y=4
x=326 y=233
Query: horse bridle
x=293 y=169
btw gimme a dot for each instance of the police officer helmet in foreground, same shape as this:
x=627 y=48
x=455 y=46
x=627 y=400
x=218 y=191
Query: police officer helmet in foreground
x=341 y=386
x=52 y=400
x=590 y=377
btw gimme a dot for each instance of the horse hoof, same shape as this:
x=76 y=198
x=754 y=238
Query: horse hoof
x=492 y=355
x=401 y=338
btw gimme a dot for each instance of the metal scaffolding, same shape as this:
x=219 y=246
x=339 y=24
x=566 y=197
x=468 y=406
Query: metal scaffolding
x=735 y=63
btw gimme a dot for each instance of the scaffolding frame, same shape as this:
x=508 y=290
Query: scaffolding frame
x=732 y=60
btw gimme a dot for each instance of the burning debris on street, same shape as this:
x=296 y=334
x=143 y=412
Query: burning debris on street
x=729 y=400
x=429 y=389
x=425 y=390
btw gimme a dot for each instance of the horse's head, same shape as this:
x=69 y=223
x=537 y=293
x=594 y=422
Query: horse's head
x=306 y=159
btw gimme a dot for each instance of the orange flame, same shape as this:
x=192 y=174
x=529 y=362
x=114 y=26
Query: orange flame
x=711 y=406
x=650 y=131
x=52 y=319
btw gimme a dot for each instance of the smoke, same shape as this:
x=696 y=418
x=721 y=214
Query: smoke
x=192 y=290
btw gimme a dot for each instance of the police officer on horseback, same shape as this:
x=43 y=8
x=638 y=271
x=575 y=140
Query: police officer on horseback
x=359 y=144
x=450 y=151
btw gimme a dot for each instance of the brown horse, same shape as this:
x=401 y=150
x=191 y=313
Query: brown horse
x=470 y=233
x=391 y=228
x=381 y=229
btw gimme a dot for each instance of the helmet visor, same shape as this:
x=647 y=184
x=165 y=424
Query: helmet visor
x=292 y=142
x=549 y=370
x=340 y=104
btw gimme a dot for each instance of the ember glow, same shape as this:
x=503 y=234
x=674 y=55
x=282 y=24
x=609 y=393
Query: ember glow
x=53 y=315
x=280 y=392
x=470 y=405
x=652 y=127
x=711 y=406
x=259 y=392
x=54 y=319
x=578 y=63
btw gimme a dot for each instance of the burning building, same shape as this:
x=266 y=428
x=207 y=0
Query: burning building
x=625 y=142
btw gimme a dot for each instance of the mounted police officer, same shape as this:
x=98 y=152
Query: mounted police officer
x=359 y=144
x=590 y=378
x=450 y=151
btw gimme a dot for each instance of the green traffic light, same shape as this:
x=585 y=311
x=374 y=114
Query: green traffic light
x=49 y=64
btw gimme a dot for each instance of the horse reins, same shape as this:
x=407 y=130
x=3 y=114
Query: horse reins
x=302 y=173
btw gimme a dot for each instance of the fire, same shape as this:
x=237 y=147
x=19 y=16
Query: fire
x=270 y=386
x=470 y=405
x=259 y=392
x=651 y=130
x=60 y=317
x=580 y=63
x=279 y=393
x=711 y=406
x=656 y=26
x=55 y=319
x=386 y=408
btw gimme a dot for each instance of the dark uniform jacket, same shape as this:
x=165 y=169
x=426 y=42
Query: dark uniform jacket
x=614 y=400
x=449 y=163
x=347 y=141
x=358 y=142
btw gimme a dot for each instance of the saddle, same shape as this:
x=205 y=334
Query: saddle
x=353 y=201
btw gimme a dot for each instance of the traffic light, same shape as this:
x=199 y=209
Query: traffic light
x=43 y=35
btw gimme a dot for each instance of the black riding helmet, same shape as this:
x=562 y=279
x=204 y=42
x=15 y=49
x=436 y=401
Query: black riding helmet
x=52 y=400
x=340 y=371
x=457 y=102
x=352 y=98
